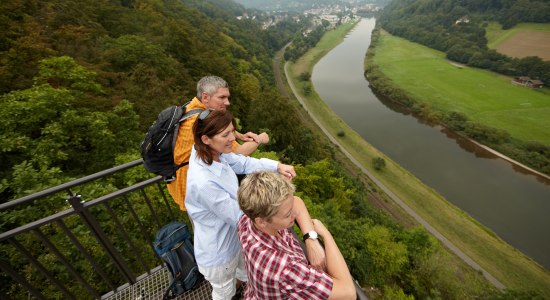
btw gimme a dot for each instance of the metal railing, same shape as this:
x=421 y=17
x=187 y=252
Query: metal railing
x=96 y=247
x=91 y=248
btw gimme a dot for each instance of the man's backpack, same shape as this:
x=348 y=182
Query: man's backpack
x=173 y=245
x=157 y=148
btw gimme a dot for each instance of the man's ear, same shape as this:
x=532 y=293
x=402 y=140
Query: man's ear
x=205 y=98
x=205 y=139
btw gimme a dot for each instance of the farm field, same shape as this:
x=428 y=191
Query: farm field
x=485 y=97
x=525 y=39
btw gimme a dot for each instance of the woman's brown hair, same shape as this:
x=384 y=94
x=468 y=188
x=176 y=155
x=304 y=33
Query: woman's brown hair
x=210 y=123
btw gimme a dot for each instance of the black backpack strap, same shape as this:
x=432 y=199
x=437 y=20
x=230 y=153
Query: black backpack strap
x=190 y=113
x=187 y=115
x=185 y=104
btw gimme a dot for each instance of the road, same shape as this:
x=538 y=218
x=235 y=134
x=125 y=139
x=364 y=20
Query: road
x=280 y=84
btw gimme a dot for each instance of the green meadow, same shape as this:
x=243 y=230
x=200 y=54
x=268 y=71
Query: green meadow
x=485 y=97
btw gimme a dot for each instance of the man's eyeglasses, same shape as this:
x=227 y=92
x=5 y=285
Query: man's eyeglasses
x=204 y=114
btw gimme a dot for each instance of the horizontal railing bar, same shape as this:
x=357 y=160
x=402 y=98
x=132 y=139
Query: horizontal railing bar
x=38 y=223
x=118 y=193
x=70 y=211
x=65 y=186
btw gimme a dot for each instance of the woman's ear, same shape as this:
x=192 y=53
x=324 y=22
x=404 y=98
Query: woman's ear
x=205 y=139
x=261 y=223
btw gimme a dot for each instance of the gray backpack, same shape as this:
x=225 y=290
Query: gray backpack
x=173 y=245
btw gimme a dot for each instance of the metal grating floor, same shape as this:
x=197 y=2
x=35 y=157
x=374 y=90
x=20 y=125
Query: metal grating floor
x=152 y=286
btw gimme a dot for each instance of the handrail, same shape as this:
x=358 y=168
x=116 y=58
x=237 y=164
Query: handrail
x=68 y=185
x=80 y=239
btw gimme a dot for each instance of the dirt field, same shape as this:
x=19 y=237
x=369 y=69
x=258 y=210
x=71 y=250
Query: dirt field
x=527 y=43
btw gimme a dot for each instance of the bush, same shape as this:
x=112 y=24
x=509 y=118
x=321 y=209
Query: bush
x=305 y=76
x=306 y=89
x=378 y=163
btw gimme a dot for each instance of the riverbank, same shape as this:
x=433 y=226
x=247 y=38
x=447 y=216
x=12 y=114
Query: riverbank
x=476 y=103
x=509 y=266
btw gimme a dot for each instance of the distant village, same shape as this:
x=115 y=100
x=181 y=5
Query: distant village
x=334 y=14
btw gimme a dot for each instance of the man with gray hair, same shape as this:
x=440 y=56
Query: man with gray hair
x=212 y=93
x=275 y=263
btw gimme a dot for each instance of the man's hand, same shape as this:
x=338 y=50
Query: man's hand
x=261 y=138
x=316 y=255
x=242 y=137
x=247 y=137
x=286 y=170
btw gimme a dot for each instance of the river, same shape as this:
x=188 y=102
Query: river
x=512 y=203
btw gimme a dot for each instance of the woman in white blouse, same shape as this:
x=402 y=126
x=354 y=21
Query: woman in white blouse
x=211 y=201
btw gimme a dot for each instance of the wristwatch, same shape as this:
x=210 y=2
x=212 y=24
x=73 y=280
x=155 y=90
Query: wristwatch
x=310 y=235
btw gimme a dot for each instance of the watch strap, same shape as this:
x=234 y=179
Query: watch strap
x=307 y=236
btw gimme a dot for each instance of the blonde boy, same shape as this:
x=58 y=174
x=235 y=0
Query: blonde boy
x=276 y=265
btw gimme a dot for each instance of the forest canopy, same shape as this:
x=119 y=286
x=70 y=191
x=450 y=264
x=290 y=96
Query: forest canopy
x=81 y=81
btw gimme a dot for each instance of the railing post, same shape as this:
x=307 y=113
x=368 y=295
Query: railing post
x=101 y=237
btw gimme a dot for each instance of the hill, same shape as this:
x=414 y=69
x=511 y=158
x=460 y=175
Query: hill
x=81 y=80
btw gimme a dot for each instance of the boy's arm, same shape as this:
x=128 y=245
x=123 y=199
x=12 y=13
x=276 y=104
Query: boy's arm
x=314 y=251
x=343 y=286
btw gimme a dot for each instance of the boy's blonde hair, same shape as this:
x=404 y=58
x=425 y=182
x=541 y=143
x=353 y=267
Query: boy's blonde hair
x=261 y=194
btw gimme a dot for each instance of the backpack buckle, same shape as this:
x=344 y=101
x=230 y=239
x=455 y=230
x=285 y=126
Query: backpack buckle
x=169 y=179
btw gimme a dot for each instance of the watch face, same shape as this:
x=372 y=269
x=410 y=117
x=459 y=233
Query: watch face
x=312 y=235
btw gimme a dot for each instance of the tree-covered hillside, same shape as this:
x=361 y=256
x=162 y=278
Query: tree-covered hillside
x=149 y=52
x=457 y=28
x=81 y=81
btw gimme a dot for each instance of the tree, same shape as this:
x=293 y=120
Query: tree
x=64 y=72
x=396 y=293
x=306 y=89
x=305 y=76
x=378 y=163
x=247 y=91
x=45 y=129
x=387 y=256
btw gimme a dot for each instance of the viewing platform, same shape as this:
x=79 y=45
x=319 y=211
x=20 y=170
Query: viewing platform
x=92 y=239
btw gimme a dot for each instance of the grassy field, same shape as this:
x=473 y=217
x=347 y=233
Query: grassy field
x=508 y=265
x=485 y=97
x=496 y=37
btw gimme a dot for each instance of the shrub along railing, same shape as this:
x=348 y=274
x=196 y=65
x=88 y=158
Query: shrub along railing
x=97 y=248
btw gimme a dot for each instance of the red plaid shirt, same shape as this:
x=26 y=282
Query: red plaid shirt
x=277 y=267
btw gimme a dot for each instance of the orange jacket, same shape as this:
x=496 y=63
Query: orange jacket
x=182 y=151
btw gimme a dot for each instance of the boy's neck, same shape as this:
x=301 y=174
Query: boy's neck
x=269 y=231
